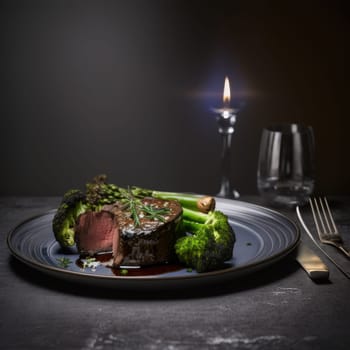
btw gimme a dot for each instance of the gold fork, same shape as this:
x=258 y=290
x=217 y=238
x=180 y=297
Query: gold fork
x=325 y=225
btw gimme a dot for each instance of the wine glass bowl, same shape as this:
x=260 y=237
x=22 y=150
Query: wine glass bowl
x=286 y=165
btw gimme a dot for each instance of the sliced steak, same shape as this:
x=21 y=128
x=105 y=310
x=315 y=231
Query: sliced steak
x=94 y=232
x=114 y=229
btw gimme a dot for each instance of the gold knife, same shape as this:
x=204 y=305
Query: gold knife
x=311 y=263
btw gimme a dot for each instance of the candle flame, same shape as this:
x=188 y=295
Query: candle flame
x=227 y=92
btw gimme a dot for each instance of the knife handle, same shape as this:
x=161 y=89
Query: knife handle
x=311 y=263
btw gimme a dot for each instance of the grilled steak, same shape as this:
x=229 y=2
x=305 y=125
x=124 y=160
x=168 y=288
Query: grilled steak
x=151 y=241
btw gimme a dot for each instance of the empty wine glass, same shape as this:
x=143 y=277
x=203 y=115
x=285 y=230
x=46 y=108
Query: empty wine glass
x=286 y=166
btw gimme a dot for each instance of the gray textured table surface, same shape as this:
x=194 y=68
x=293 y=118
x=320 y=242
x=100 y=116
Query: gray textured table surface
x=276 y=308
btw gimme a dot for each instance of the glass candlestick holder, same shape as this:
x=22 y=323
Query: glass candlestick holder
x=226 y=118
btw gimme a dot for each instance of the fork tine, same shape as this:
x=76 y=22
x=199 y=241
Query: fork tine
x=335 y=230
x=319 y=214
x=315 y=217
x=326 y=214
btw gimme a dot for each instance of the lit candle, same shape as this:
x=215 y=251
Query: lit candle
x=227 y=93
x=226 y=111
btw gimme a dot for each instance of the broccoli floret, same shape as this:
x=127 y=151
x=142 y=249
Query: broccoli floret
x=210 y=242
x=72 y=205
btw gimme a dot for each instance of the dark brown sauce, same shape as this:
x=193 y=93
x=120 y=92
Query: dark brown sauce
x=151 y=270
x=104 y=257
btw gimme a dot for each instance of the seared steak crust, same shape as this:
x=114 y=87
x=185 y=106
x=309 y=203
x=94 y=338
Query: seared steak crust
x=152 y=242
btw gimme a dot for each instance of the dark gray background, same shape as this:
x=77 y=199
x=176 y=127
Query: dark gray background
x=126 y=88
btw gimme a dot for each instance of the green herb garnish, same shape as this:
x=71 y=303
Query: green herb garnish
x=64 y=262
x=155 y=213
x=90 y=262
x=131 y=203
x=136 y=207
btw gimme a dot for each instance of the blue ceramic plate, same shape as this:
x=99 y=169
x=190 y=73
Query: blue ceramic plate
x=263 y=237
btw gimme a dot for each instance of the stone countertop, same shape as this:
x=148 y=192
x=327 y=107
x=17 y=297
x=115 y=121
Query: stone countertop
x=276 y=308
